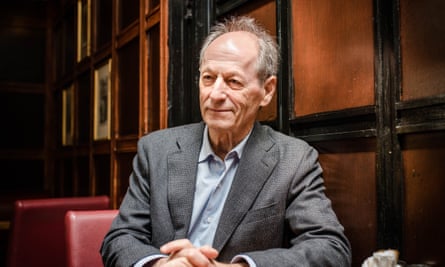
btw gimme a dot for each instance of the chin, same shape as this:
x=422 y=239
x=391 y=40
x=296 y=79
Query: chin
x=220 y=126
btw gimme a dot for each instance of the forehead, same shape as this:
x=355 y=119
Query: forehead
x=238 y=48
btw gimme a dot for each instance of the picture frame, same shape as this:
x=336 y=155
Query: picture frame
x=102 y=101
x=83 y=29
x=68 y=115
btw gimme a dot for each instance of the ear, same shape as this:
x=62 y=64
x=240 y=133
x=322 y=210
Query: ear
x=270 y=86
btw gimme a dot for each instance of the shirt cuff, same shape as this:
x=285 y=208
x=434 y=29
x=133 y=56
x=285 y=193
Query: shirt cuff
x=240 y=258
x=149 y=260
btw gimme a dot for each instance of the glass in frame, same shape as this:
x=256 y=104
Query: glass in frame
x=83 y=29
x=67 y=115
x=102 y=101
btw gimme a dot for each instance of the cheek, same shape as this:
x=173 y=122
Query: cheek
x=252 y=101
x=203 y=95
x=237 y=100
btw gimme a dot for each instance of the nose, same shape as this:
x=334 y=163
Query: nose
x=219 y=90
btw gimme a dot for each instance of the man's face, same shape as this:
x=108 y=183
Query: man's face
x=230 y=91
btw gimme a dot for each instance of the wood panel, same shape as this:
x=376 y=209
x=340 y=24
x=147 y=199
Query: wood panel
x=128 y=13
x=102 y=174
x=22 y=51
x=124 y=168
x=423 y=48
x=333 y=55
x=350 y=181
x=21 y=177
x=128 y=94
x=153 y=80
x=83 y=110
x=102 y=23
x=423 y=159
x=19 y=113
x=83 y=186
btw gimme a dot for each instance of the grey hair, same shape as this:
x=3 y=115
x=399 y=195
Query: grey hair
x=268 y=54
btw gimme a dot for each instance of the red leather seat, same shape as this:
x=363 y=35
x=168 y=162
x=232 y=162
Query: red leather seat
x=38 y=229
x=85 y=231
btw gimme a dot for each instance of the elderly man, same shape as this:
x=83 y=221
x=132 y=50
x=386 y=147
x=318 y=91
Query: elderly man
x=227 y=191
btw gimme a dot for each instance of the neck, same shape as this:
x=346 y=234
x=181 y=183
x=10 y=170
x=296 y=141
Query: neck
x=223 y=142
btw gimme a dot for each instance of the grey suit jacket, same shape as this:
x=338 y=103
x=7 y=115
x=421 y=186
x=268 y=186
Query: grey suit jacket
x=276 y=211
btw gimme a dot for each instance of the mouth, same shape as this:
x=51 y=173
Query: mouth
x=218 y=110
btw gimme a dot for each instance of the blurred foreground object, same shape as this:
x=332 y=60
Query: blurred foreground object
x=382 y=258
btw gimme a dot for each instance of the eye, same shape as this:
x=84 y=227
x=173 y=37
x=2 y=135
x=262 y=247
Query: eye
x=207 y=79
x=234 y=83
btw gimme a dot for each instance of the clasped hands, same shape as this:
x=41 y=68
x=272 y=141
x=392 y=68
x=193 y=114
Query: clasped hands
x=182 y=253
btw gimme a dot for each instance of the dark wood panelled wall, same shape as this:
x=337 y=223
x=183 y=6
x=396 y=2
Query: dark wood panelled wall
x=362 y=81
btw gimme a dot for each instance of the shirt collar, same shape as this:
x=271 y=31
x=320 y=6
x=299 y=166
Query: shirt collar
x=207 y=151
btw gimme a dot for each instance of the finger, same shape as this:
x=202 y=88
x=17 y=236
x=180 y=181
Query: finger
x=190 y=255
x=176 y=245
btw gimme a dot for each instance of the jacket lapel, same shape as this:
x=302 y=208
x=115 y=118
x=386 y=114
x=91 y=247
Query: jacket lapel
x=182 y=166
x=256 y=165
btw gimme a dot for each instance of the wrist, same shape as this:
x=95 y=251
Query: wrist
x=156 y=263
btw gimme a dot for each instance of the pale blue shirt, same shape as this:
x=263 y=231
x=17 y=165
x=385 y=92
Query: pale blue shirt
x=214 y=179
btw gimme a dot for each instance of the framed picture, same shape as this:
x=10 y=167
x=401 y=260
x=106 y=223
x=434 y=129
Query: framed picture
x=102 y=101
x=83 y=28
x=67 y=115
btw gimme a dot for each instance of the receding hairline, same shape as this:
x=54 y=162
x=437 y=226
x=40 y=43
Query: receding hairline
x=268 y=49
